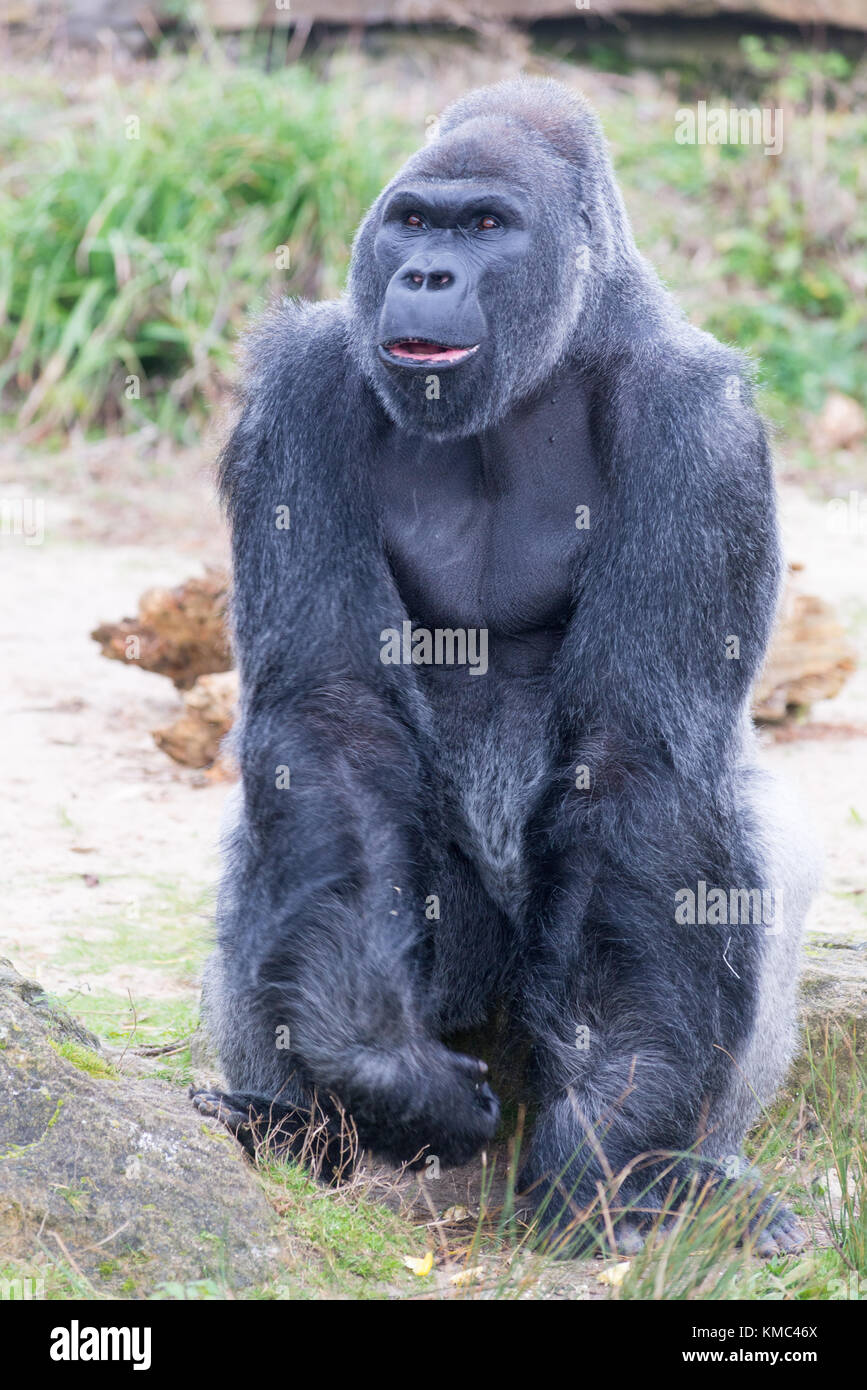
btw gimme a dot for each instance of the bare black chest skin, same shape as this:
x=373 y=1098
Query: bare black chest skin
x=481 y=532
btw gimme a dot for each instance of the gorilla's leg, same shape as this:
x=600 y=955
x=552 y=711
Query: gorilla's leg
x=319 y=992
x=275 y=1111
x=628 y=1028
x=792 y=866
x=404 y=1102
x=617 y=1114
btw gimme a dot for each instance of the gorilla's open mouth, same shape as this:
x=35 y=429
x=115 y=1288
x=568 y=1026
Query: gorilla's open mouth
x=422 y=350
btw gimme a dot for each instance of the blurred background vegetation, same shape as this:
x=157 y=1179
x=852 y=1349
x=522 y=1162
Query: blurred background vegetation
x=142 y=210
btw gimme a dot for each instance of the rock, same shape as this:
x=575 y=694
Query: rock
x=833 y=1013
x=181 y=633
x=59 y=1022
x=244 y=14
x=117 y=1179
x=209 y=709
x=842 y=423
x=834 y=988
x=85 y=19
x=810 y=657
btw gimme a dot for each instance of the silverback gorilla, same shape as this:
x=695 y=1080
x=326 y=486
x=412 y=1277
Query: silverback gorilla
x=506 y=562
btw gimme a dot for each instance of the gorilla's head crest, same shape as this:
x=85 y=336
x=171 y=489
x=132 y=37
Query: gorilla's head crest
x=484 y=259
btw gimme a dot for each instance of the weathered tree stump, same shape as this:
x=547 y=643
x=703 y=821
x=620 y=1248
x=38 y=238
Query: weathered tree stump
x=810 y=657
x=180 y=633
x=209 y=711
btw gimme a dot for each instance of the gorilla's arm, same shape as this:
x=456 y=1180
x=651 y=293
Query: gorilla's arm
x=685 y=559
x=313 y=935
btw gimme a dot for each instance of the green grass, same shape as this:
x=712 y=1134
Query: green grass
x=767 y=252
x=85 y=1059
x=142 y=1021
x=355 y=1247
x=164 y=927
x=126 y=257
x=836 y=1094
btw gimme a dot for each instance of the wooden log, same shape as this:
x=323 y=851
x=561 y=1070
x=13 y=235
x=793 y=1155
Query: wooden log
x=810 y=657
x=209 y=710
x=180 y=633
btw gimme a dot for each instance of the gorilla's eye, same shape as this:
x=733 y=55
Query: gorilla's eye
x=487 y=223
x=412 y=219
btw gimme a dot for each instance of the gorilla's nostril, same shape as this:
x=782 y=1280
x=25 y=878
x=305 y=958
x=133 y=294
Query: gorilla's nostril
x=438 y=281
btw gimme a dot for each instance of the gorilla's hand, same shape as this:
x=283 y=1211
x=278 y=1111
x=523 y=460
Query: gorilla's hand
x=425 y=1102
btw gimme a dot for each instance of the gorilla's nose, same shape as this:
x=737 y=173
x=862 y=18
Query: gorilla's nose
x=429 y=273
x=432 y=298
x=429 y=279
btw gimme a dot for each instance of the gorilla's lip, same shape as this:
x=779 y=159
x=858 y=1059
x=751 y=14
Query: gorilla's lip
x=423 y=351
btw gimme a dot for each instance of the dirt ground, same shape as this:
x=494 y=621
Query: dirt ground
x=104 y=837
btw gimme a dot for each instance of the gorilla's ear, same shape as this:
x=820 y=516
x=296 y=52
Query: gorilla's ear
x=588 y=221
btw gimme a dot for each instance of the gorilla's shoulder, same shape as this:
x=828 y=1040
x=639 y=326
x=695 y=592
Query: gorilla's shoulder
x=299 y=348
x=683 y=418
x=296 y=366
x=678 y=360
x=679 y=383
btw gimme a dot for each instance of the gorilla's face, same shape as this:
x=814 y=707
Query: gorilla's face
x=440 y=244
x=464 y=284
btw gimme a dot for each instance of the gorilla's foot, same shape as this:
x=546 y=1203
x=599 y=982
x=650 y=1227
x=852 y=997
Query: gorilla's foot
x=261 y=1125
x=406 y=1107
x=776 y=1231
x=565 y=1232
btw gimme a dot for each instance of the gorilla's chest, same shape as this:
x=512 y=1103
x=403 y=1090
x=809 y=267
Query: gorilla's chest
x=483 y=532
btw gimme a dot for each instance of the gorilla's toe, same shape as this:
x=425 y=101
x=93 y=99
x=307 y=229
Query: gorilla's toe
x=238 y=1118
x=218 y=1106
x=317 y=1140
x=782 y=1234
x=629 y=1238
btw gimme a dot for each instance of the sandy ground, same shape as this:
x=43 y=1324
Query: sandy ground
x=99 y=826
x=827 y=774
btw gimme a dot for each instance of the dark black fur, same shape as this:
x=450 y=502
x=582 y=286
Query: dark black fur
x=608 y=650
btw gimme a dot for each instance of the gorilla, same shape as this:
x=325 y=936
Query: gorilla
x=505 y=567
